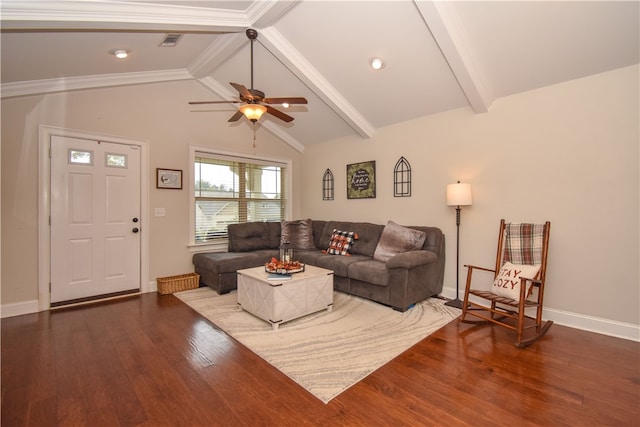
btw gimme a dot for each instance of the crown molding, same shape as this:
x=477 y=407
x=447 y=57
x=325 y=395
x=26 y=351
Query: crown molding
x=216 y=54
x=265 y=13
x=107 y=14
x=104 y=14
x=223 y=91
x=41 y=87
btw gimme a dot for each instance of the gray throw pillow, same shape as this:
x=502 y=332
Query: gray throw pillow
x=396 y=239
x=299 y=233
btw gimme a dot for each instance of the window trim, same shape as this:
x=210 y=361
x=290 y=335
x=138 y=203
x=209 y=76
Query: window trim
x=222 y=244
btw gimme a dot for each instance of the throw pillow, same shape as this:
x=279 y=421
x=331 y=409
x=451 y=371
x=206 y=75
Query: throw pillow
x=507 y=283
x=341 y=242
x=396 y=239
x=299 y=233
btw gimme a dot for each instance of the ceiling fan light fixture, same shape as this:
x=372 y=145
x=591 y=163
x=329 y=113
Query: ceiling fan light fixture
x=376 y=63
x=120 y=53
x=253 y=112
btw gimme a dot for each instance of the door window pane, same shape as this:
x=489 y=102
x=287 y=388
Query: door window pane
x=116 y=160
x=80 y=157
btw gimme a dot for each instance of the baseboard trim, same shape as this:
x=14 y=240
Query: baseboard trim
x=18 y=308
x=613 y=328
x=599 y=325
x=31 y=307
x=628 y=331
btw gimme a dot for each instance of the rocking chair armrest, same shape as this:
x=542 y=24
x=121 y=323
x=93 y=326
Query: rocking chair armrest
x=469 y=266
x=535 y=282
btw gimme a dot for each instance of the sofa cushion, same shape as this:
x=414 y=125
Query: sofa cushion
x=274 y=234
x=309 y=256
x=247 y=237
x=411 y=259
x=230 y=262
x=368 y=235
x=339 y=264
x=396 y=239
x=318 y=238
x=341 y=242
x=370 y=271
x=299 y=233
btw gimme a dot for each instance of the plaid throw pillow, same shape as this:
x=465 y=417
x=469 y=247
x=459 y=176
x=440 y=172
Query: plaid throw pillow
x=523 y=244
x=341 y=242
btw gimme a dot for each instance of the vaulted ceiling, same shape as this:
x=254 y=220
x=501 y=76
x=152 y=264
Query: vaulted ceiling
x=438 y=55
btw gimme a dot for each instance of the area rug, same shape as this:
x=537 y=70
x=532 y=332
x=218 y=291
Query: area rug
x=326 y=352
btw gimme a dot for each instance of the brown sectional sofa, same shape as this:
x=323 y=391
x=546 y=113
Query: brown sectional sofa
x=400 y=282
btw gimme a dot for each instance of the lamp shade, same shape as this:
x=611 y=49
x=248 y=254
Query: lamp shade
x=253 y=112
x=459 y=194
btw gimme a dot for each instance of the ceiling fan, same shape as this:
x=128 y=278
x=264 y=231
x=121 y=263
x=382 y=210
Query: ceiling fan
x=253 y=99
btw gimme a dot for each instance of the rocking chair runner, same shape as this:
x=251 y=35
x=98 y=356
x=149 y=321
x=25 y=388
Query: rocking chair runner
x=524 y=246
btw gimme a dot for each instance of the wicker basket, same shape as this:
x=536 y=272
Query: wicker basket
x=183 y=282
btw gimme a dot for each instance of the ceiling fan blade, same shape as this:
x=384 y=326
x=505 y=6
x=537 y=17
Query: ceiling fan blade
x=236 y=116
x=291 y=100
x=211 y=102
x=243 y=91
x=279 y=114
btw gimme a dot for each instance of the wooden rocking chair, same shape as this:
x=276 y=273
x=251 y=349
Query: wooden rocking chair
x=522 y=248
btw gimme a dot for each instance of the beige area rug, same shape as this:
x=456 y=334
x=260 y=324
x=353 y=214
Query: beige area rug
x=326 y=352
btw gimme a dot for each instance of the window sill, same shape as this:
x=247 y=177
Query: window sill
x=209 y=247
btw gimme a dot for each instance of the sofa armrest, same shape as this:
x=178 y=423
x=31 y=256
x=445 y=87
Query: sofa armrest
x=411 y=259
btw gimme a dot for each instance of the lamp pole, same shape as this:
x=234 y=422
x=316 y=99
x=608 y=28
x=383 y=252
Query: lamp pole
x=458 y=195
x=456 y=302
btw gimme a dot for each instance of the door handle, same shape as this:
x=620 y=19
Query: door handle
x=135 y=229
x=135 y=220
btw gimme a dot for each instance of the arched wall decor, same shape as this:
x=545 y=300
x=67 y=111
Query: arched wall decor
x=327 y=185
x=402 y=178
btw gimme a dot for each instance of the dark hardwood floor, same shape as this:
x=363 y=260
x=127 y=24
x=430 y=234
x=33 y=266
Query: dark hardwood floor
x=152 y=361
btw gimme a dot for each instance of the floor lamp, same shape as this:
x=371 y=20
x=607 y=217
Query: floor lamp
x=458 y=195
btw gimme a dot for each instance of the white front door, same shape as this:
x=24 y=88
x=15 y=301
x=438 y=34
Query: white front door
x=95 y=219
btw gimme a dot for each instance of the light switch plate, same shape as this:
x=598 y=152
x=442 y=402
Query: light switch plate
x=159 y=212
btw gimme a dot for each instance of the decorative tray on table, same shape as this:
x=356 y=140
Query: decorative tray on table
x=283 y=267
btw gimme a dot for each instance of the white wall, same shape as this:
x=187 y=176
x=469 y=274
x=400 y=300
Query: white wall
x=566 y=153
x=155 y=113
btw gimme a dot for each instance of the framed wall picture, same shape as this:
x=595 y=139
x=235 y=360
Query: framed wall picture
x=361 y=180
x=169 y=178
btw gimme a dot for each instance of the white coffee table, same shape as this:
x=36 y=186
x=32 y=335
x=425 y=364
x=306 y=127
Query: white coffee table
x=278 y=301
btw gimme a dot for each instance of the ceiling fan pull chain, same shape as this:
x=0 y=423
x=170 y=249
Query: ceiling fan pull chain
x=254 y=135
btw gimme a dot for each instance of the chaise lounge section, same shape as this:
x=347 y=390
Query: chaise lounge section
x=390 y=264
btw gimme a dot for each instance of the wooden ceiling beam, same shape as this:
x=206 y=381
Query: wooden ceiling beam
x=448 y=32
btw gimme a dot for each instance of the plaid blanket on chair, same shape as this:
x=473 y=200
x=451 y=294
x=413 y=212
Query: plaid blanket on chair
x=523 y=244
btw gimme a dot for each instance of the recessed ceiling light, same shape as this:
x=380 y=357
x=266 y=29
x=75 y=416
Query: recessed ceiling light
x=376 y=63
x=120 y=53
x=285 y=105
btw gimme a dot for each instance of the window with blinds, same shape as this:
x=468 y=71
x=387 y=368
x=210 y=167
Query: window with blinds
x=231 y=190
